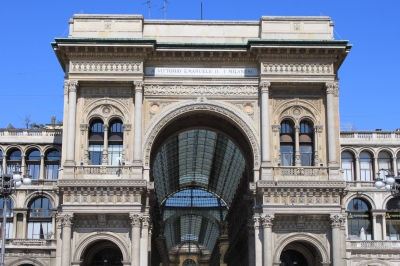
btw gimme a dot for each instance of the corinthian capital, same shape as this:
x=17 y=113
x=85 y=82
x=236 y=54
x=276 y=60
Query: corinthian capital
x=337 y=220
x=264 y=86
x=70 y=86
x=145 y=222
x=138 y=85
x=135 y=219
x=267 y=220
x=332 y=88
x=65 y=219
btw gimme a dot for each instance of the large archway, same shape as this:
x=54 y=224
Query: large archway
x=300 y=253
x=200 y=166
x=102 y=253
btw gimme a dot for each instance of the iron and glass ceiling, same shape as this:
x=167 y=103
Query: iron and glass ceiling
x=196 y=175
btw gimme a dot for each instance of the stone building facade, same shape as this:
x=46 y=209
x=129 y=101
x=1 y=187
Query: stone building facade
x=201 y=143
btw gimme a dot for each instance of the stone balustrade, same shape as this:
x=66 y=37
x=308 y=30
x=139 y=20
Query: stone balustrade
x=29 y=136
x=10 y=243
x=300 y=173
x=373 y=244
x=369 y=137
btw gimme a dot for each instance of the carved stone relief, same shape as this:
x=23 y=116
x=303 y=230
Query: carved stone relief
x=296 y=68
x=179 y=90
x=105 y=67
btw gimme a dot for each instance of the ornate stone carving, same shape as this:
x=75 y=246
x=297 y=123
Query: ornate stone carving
x=276 y=128
x=114 y=92
x=70 y=86
x=264 y=86
x=84 y=127
x=105 y=157
x=105 y=67
x=332 y=88
x=318 y=128
x=310 y=68
x=337 y=220
x=145 y=222
x=135 y=219
x=179 y=90
x=65 y=219
x=267 y=220
x=138 y=85
x=257 y=222
x=215 y=107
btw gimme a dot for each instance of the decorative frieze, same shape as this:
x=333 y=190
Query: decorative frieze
x=101 y=220
x=296 y=222
x=105 y=67
x=65 y=219
x=179 y=90
x=310 y=68
x=113 y=92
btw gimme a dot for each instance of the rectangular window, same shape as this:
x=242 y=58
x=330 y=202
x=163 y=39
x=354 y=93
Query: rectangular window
x=114 y=154
x=9 y=229
x=96 y=154
x=34 y=170
x=52 y=171
x=286 y=155
x=365 y=167
x=39 y=230
x=392 y=229
x=306 y=155
x=347 y=167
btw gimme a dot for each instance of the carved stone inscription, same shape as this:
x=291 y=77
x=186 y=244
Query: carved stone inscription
x=201 y=90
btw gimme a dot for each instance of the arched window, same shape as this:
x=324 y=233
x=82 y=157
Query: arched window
x=14 y=159
x=384 y=162
x=306 y=143
x=96 y=142
x=348 y=166
x=115 y=142
x=33 y=163
x=366 y=166
x=9 y=216
x=189 y=262
x=1 y=162
x=52 y=164
x=393 y=219
x=287 y=143
x=39 y=225
x=359 y=220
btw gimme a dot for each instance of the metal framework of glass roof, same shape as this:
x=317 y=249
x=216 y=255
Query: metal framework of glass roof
x=196 y=175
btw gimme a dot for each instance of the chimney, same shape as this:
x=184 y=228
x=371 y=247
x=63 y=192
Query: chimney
x=53 y=120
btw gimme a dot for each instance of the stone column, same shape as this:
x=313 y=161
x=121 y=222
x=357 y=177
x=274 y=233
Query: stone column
x=85 y=141
x=357 y=173
x=66 y=224
x=105 y=146
x=394 y=166
x=137 y=143
x=135 y=239
x=265 y=136
x=14 y=233
x=71 y=86
x=297 y=159
x=383 y=227
x=4 y=163
x=374 y=235
x=331 y=89
x=267 y=241
x=258 y=241
x=23 y=169
x=24 y=224
x=337 y=221
x=375 y=171
x=57 y=233
x=42 y=170
x=251 y=242
x=144 y=241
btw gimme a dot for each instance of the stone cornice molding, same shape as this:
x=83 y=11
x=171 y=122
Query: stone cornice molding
x=101 y=183
x=264 y=86
x=135 y=219
x=337 y=221
x=301 y=184
x=70 y=86
x=242 y=121
x=267 y=220
x=65 y=219
x=205 y=58
x=208 y=90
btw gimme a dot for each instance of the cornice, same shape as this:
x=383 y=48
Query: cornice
x=300 y=184
x=101 y=183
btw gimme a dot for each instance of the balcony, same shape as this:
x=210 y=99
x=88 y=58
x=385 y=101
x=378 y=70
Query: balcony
x=31 y=243
x=42 y=136
x=373 y=245
x=300 y=173
x=370 y=137
x=105 y=171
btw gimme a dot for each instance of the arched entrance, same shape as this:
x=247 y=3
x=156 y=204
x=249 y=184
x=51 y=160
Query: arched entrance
x=300 y=254
x=102 y=253
x=200 y=166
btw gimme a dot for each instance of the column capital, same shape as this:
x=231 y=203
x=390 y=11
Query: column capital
x=337 y=220
x=70 y=86
x=318 y=128
x=126 y=127
x=264 y=86
x=332 y=88
x=257 y=222
x=267 y=220
x=65 y=219
x=276 y=128
x=135 y=219
x=138 y=85
x=145 y=221
x=84 y=127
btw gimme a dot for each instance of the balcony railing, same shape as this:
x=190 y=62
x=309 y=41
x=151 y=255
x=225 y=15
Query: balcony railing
x=103 y=170
x=373 y=244
x=368 y=135
x=25 y=132
x=31 y=242
x=360 y=184
x=301 y=173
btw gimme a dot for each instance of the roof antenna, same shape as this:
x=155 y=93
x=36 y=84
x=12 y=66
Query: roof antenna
x=149 y=6
x=164 y=8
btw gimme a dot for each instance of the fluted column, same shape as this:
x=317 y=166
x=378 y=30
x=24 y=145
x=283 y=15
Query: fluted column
x=144 y=242
x=297 y=159
x=66 y=220
x=135 y=239
x=267 y=241
x=105 y=145
x=71 y=86
x=258 y=238
x=331 y=89
x=137 y=143
x=265 y=136
x=337 y=221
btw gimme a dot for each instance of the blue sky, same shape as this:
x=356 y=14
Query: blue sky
x=31 y=79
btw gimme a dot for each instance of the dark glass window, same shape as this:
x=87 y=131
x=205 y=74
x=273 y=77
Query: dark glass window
x=359 y=220
x=306 y=143
x=33 y=164
x=52 y=163
x=14 y=161
x=365 y=166
x=41 y=207
x=287 y=143
x=393 y=219
x=39 y=224
x=347 y=166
